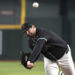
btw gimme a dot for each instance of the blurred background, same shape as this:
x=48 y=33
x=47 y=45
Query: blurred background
x=55 y=15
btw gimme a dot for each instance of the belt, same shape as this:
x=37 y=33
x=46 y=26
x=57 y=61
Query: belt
x=67 y=50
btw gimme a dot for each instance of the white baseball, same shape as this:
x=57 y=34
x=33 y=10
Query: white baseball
x=35 y=5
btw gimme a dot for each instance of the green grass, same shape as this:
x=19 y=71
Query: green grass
x=15 y=68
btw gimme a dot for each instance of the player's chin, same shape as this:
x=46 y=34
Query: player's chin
x=30 y=35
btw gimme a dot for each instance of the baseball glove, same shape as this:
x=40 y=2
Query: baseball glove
x=24 y=58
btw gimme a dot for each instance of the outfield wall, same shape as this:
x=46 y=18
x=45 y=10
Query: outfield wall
x=47 y=16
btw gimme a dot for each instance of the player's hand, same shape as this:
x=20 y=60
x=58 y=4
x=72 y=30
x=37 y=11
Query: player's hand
x=29 y=64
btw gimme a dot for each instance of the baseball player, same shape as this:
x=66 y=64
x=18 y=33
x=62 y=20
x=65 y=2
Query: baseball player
x=56 y=51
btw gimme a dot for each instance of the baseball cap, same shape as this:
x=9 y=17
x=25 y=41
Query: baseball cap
x=26 y=26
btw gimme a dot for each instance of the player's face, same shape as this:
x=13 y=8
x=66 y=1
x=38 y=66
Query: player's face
x=31 y=31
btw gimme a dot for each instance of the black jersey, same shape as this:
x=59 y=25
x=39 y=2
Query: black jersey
x=47 y=43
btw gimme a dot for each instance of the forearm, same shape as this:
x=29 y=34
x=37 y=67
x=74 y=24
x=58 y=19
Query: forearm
x=36 y=51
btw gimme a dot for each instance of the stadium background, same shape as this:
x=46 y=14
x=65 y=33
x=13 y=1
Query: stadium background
x=57 y=15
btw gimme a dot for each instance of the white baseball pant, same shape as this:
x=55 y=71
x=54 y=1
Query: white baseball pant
x=65 y=63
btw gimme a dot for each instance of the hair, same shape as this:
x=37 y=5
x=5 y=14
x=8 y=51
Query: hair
x=26 y=26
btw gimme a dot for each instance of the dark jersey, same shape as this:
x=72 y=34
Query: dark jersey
x=47 y=43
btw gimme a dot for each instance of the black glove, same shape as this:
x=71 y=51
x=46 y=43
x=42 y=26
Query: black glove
x=24 y=59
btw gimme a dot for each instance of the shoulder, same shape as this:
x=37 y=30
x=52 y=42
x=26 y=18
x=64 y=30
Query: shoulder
x=43 y=33
x=42 y=29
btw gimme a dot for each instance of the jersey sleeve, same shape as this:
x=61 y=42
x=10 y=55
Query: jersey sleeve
x=37 y=50
x=31 y=46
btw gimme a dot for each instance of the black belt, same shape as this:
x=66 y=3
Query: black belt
x=67 y=50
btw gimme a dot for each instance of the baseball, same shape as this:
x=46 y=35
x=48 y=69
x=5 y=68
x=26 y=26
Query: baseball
x=35 y=5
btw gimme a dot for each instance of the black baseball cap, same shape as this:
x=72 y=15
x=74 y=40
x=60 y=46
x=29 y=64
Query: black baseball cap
x=26 y=26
